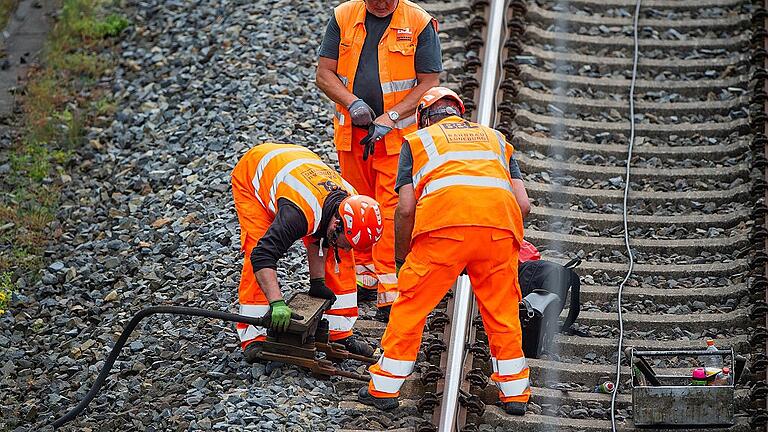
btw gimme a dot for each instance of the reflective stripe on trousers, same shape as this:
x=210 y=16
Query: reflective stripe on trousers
x=513 y=388
x=509 y=367
x=252 y=332
x=386 y=384
x=345 y=301
x=340 y=323
x=401 y=368
x=386 y=297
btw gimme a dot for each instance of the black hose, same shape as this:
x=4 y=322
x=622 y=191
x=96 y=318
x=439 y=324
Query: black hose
x=176 y=310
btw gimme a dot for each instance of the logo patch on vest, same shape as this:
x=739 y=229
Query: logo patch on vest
x=463 y=132
x=404 y=34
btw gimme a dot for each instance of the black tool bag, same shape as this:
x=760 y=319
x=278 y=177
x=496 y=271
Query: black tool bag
x=545 y=286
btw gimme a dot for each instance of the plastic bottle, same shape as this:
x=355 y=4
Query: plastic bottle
x=723 y=378
x=712 y=361
x=699 y=377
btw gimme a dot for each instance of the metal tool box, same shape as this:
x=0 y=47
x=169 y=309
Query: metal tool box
x=674 y=401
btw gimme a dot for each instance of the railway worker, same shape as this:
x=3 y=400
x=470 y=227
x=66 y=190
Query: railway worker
x=284 y=193
x=459 y=209
x=376 y=60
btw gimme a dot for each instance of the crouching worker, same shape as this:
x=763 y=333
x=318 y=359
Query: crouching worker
x=459 y=209
x=284 y=193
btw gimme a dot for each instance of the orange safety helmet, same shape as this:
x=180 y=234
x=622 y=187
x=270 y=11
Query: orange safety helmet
x=361 y=219
x=433 y=95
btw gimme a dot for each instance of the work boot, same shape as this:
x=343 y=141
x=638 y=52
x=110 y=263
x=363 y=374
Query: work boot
x=384 y=404
x=515 y=408
x=356 y=346
x=366 y=294
x=252 y=351
x=382 y=314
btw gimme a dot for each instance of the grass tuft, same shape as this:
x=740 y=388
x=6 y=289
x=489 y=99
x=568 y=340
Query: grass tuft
x=61 y=99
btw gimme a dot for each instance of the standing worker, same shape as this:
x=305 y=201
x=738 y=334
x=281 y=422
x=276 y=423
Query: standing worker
x=459 y=209
x=284 y=193
x=376 y=60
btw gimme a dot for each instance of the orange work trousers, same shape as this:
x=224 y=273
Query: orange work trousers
x=435 y=261
x=375 y=177
x=340 y=278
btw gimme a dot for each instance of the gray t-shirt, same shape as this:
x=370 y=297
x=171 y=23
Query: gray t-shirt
x=367 y=85
x=405 y=167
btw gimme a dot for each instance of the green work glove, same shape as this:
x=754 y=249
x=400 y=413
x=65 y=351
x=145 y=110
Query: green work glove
x=281 y=315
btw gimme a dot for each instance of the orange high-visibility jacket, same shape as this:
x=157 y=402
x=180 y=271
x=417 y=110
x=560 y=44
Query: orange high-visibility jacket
x=397 y=71
x=461 y=178
x=292 y=172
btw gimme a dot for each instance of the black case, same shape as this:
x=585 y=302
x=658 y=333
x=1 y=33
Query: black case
x=545 y=286
x=539 y=312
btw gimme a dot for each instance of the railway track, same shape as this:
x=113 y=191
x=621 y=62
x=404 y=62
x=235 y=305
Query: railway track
x=697 y=200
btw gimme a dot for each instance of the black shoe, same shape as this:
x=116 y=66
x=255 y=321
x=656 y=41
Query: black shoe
x=252 y=351
x=382 y=314
x=356 y=346
x=515 y=408
x=366 y=294
x=384 y=404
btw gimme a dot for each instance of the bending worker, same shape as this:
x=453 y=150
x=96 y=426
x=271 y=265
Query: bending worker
x=283 y=193
x=376 y=60
x=459 y=209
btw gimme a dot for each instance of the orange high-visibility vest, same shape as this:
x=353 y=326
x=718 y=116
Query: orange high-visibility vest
x=461 y=178
x=397 y=71
x=292 y=172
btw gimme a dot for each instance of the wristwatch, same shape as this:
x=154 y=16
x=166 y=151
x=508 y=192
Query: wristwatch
x=393 y=115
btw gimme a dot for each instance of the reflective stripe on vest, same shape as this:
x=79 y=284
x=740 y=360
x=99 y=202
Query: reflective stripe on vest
x=386 y=384
x=396 y=367
x=396 y=86
x=436 y=159
x=509 y=367
x=340 y=323
x=513 y=388
x=340 y=117
x=284 y=176
x=345 y=301
x=463 y=180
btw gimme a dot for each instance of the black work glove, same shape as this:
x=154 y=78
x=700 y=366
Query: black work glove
x=375 y=133
x=361 y=113
x=318 y=289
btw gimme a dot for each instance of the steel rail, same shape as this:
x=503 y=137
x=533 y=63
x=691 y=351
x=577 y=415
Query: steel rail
x=463 y=296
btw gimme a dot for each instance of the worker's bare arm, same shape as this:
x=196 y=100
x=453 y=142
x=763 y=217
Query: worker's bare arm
x=316 y=262
x=267 y=278
x=327 y=81
x=521 y=196
x=407 y=106
x=404 y=218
